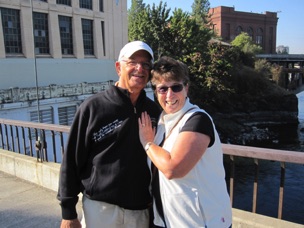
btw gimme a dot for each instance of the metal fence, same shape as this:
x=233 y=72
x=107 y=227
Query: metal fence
x=46 y=142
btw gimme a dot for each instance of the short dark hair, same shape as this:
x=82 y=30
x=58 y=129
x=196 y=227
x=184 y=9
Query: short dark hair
x=169 y=69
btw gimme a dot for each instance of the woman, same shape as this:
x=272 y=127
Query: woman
x=187 y=152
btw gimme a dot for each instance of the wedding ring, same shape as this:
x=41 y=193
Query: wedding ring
x=143 y=125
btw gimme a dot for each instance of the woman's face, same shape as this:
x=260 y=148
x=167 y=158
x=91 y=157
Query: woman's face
x=171 y=95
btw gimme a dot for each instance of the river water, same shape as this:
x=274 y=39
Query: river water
x=269 y=177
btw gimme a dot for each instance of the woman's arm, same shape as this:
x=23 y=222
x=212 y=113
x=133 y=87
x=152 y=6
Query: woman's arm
x=188 y=148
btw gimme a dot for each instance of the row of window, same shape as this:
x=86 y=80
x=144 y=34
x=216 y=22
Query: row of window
x=65 y=115
x=86 y=4
x=258 y=37
x=12 y=33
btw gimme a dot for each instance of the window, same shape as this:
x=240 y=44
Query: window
x=250 y=32
x=11 y=30
x=41 y=34
x=103 y=38
x=66 y=115
x=239 y=30
x=227 y=37
x=64 y=2
x=87 y=33
x=87 y=4
x=66 y=36
x=101 y=5
x=46 y=116
x=259 y=37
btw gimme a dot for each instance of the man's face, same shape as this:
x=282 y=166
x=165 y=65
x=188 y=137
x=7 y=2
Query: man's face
x=134 y=72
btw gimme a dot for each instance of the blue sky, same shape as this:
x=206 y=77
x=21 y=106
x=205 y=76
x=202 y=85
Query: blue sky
x=290 y=30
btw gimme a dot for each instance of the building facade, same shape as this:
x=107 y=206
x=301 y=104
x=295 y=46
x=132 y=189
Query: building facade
x=56 y=53
x=62 y=41
x=262 y=28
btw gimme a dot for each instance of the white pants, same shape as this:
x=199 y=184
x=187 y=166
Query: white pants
x=98 y=214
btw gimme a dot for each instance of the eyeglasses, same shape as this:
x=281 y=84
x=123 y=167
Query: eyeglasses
x=132 y=63
x=175 y=88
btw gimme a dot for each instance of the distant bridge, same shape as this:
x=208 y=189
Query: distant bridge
x=292 y=66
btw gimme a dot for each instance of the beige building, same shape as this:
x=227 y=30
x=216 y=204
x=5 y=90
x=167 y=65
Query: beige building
x=60 y=41
x=56 y=53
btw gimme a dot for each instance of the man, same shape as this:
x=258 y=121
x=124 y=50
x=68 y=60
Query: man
x=104 y=158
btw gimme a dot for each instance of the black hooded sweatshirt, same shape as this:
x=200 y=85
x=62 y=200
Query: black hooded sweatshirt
x=104 y=158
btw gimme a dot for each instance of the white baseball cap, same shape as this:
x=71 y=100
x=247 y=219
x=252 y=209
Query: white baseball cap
x=130 y=48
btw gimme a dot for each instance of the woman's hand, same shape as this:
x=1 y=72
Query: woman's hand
x=146 y=131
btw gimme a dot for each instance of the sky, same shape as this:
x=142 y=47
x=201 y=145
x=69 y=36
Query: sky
x=290 y=31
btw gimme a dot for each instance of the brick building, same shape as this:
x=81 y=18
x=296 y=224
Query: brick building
x=228 y=23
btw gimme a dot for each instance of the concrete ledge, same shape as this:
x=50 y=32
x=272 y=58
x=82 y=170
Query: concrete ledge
x=47 y=175
x=245 y=219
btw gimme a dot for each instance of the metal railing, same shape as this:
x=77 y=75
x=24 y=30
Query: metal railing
x=40 y=135
x=22 y=137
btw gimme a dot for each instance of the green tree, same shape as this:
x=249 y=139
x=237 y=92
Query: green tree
x=181 y=37
x=177 y=35
x=186 y=36
x=245 y=43
x=211 y=76
x=200 y=11
x=137 y=7
x=151 y=25
x=263 y=67
x=248 y=49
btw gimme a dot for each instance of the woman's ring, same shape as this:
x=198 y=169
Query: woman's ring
x=143 y=125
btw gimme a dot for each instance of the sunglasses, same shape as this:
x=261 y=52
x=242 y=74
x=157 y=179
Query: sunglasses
x=175 y=88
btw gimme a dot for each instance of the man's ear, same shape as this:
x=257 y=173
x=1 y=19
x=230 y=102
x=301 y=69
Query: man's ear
x=117 y=67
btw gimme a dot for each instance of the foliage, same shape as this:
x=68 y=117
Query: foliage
x=211 y=78
x=247 y=47
x=278 y=75
x=186 y=36
x=263 y=67
x=200 y=10
x=151 y=25
x=136 y=8
x=218 y=74
x=177 y=35
x=270 y=71
x=245 y=43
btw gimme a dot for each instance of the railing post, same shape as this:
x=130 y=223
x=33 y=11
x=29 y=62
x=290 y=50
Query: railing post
x=18 y=141
x=281 y=193
x=61 y=144
x=23 y=140
x=44 y=147
x=38 y=146
x=54 y=146
x=255 y=186
x=6 y=136
x=30 y=141
x=12 y=138
x=1 y=134
x=231 y=188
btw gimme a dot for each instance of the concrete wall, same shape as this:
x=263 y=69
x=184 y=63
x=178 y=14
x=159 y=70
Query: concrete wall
x=24 y=72
x=47 y=175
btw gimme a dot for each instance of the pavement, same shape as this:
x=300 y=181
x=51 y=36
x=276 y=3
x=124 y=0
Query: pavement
x=27 y=205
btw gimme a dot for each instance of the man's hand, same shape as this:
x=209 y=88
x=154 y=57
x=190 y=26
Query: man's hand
x=75 y=223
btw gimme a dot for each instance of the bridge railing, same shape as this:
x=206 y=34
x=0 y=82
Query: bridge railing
x=46 y=142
